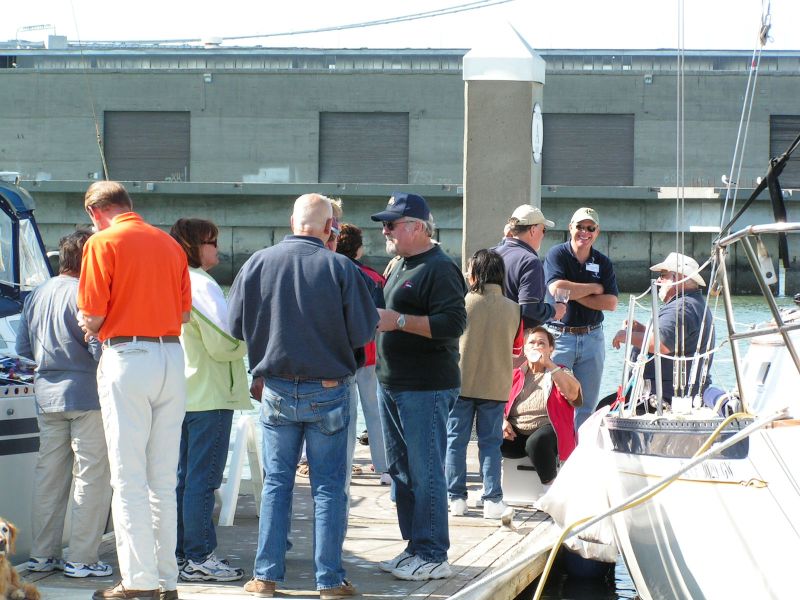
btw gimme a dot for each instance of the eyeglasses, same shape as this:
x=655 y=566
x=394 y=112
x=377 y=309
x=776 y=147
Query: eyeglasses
x=211 y=243
x=390 y=225
x=589 y=228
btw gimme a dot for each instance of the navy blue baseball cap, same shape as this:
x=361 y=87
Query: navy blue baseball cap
x=404 y=205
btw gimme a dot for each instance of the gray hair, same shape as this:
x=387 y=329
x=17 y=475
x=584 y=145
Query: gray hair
x=429 y=223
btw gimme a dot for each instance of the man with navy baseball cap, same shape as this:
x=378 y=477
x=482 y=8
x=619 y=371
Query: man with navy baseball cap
x=404 y=205
x=419 y=380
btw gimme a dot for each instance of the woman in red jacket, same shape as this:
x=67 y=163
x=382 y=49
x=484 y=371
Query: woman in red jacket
x=539 y=414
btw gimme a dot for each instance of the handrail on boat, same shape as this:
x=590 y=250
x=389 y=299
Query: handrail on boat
x=770 y=228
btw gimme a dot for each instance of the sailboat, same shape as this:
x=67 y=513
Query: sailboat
x=710 y=495
x=23 y=266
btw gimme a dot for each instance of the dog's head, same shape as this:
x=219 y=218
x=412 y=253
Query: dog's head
x=8 y=533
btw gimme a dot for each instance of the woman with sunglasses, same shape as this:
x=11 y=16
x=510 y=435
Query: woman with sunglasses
x=216 y=385
x=540 y=409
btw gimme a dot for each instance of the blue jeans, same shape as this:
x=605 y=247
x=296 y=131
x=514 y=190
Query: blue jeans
x=292 y=410
x=368 y=394
x=584 y=354
x=415 y=436
x=488 y=417
x=205 y=436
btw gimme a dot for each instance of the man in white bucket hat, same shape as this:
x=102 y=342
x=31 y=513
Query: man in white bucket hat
x=682 y=319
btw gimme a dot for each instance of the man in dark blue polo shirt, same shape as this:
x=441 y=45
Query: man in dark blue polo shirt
x=587 y=275
x=524 y=281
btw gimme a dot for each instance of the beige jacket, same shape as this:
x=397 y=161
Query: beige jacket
x=486 y=346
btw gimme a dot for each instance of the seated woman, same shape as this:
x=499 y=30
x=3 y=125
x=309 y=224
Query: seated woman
x=539 y=414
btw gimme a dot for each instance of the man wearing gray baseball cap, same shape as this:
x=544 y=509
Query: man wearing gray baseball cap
x=524 y=280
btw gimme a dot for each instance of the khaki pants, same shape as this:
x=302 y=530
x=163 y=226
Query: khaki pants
x=142 y=391
x=72 y=445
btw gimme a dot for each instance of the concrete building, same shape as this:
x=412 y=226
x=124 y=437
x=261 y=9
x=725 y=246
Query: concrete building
x=234 y=134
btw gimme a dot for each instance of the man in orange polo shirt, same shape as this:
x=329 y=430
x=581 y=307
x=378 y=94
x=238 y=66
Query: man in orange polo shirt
x=133 y=295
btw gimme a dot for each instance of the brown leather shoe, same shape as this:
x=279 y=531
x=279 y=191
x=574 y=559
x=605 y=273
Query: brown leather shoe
x=120 y=592
x=346 y=590
x=260 y=588
x=169 y=595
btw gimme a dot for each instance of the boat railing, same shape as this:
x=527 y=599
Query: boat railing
x=720 y=276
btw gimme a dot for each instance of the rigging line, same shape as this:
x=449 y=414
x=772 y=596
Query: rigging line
x=98 y=137
x=470 y=6
x=744 y=122
x=680 y=174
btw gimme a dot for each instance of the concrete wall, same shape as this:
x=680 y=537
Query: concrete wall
x=245 y=127
x=263 y=127
x=636 y=225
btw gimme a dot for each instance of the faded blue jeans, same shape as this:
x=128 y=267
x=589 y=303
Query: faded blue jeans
x=585 y=355
x=488 y=417
x=205 y=436
x=415 y=436
x=368 y=394
x=292 y=410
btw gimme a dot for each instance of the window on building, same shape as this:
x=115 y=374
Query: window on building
x=783 y=129
x=587 y=149
x=363 y=147
x=147 y=145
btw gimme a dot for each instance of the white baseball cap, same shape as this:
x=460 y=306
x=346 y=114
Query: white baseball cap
x=682 y=265
x=526 y=214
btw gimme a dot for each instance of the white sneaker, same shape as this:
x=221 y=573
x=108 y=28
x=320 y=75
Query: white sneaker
x=386 y=479
x=398 y=561
x=77 y=569
x=458 y=507
x=44 y=565
x=418 y=569
x=496 y=509
x=211 y=569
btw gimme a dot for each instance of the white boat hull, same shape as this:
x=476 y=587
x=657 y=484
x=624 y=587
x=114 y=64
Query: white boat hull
x=728 y=528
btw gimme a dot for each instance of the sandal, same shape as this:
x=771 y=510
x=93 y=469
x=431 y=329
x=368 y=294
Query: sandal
x=357 y=470
x=302 y=469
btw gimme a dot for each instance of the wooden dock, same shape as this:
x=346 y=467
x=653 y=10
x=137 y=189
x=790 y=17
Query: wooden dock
x=478 y=548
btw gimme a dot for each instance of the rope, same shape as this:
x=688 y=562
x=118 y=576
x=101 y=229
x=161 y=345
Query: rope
x=88 y=82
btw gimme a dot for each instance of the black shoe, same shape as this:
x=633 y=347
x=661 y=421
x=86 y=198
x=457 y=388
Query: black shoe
x=363 y=439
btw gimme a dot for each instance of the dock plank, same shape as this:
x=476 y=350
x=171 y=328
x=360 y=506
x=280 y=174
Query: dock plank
x=478 y=547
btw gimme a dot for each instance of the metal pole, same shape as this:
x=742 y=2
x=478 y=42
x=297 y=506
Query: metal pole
x=628 y=333
x=656 y=347
x=726 y=297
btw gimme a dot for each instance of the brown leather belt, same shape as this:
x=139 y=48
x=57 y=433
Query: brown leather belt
x=575 y=330
x=124 y=339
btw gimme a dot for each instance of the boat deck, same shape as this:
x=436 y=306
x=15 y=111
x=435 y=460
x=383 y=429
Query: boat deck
x=477 y=548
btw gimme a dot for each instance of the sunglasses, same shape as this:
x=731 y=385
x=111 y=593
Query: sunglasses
x=390 y=225
x=211 y=243
x=589 y=228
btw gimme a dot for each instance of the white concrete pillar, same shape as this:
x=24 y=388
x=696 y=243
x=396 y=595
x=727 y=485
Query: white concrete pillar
x=503 y=90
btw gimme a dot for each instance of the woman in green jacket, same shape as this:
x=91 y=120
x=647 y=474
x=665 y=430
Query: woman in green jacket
x=216 y=385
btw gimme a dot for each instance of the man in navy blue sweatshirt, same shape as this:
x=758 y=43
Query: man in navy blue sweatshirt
x=303 y=311
x=524 y=280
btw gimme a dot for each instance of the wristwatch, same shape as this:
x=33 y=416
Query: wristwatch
x=401 y=322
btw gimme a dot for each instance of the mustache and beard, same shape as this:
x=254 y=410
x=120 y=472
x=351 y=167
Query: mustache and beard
x=391 y=247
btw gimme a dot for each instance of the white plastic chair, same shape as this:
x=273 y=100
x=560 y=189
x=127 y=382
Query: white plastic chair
x=245 y=444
